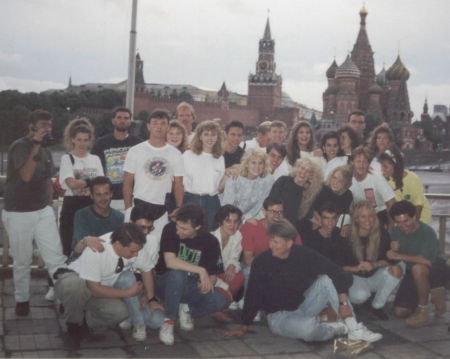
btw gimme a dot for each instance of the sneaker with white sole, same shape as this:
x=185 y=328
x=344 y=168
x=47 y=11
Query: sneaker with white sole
x=125 y=325
x=233 y=306
x=166 y=332
x=258 y=317
x=338 y=327
x=360 y=332
x=139 y=333
x=50 y=296
x=184 y=314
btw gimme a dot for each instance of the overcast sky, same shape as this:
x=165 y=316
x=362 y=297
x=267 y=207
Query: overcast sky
x=205 y=42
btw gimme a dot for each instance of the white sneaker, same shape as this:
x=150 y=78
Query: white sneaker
x=241 y=304
x=338 y=327
x=50 y=296
x=184 y=314
x=360 y=332
x=125 y=325
x=233 y=306
x=257 y=317
x=139 y=333
x=166 y=332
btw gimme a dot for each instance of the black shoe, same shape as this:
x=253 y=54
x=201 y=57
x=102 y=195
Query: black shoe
x=73 y=336
x=22 y=308
x=380 y=314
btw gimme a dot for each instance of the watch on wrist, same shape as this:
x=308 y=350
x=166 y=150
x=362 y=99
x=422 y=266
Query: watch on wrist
x=153 y=299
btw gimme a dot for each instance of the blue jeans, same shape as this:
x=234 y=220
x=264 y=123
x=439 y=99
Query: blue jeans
x=176 y=286
x=210 y=205
x=303 y=323
x=137 y=314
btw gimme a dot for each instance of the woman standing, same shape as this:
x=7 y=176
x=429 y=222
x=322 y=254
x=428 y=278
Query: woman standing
x=300 y=143
x=204 y=168
x=348 y=140
x=176 y=136
x=333 y=156
x=406 y=184
x=248 y=191
x=78 y=166
x=372 y=271
x=381 y=138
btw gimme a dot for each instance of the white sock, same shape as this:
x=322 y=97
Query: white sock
x=351 y=323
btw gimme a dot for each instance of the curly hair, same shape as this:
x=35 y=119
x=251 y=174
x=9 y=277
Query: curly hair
x=371 y=250
x=77 y=125
x=325 y=138
x=178 y=125
x=372 y=142
x=312 y=187
x=196 y=143
x=354 y=138
x=293 y=148
x=251 y=154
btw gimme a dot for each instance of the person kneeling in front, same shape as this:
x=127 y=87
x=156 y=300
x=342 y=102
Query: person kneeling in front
x=86 y=289
x=293 y=284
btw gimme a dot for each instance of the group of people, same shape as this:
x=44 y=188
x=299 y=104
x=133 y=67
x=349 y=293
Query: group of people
x=192 y=221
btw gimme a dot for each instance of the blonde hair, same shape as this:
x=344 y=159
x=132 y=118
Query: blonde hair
x=185 y=105
x=311 y=188
x=347 y=175
x=371 y=251
x=196 y=143
x=177 y=124
x=254 y=153
x=75 y=126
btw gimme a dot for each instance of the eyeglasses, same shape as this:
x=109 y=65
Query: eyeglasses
x=278 y=213
x=120 y=265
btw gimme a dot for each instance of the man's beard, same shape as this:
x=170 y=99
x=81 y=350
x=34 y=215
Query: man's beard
x=122 y=129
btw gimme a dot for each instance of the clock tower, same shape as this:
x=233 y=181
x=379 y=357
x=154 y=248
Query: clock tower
x=264 y=87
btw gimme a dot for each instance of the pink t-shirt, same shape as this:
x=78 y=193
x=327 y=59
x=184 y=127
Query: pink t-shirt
x=255 y=239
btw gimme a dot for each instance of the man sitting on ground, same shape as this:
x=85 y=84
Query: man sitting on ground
x=293 y=284
x=416 y=244
x=189 y=261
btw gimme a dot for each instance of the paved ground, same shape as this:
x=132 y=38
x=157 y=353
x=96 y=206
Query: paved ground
x=39 y=336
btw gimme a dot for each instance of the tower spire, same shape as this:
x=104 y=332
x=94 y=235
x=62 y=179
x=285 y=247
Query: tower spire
x=267 y=36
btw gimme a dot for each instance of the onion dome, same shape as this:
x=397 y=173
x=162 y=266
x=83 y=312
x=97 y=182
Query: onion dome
x=375 y=89
x=381 y=78
x=332 y=70
x=348 y=69
x=397 y=71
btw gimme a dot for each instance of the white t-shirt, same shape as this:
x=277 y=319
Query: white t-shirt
x=329 y=166
x=203 y=173
x=253 y=144
x=282 y=170
x=374 y=189
x=153 y=169
x=376 y=167
x=101 y=267
x=83 y=168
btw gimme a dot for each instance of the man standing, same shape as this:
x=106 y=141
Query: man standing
x=112 y=150
x=190 y=259
x=234 y=133
x=416 y=244
x=356 y=120
x=261 y=140
x=186 y=115
x=28 y=213
x=151 y=167
x=277 y=155
x=293 y=284
x=278 y=132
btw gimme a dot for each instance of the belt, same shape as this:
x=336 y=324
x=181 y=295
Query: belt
x=60 y=271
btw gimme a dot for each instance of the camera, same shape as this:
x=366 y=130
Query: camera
x=48 y=138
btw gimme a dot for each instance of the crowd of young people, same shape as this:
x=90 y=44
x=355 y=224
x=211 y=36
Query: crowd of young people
x=275 y=225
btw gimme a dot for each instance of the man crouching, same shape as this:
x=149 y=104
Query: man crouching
x=293 y=284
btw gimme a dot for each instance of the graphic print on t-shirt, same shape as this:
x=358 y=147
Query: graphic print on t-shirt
x=369 y=193
x=114 y=160
x=189 y=255
x=157 y=168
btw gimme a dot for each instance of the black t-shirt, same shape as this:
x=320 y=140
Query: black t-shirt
x=233 y=158
x=290 y=194
x=342 y=201
x=112 y=153
x=202 y=250
x=29 y=196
